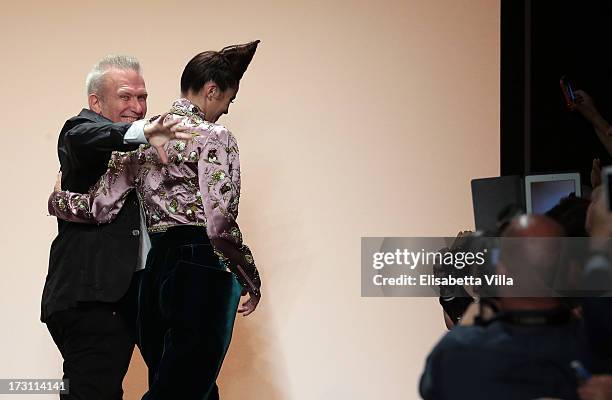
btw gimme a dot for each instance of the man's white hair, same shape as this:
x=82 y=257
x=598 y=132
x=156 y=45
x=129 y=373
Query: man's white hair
x=95 y=77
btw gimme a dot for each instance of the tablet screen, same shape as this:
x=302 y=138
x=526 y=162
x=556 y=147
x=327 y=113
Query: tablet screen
x=546 y=195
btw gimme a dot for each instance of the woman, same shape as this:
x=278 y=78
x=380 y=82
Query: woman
x=187 y=300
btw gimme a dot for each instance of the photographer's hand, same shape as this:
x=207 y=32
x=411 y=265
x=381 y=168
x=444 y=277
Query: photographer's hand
x=586 y=106
x=596 y=173
x=460 y=239
x=599 y=387
x=599 y=219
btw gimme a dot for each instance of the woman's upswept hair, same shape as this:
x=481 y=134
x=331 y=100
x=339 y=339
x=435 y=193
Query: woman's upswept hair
x=225 y=67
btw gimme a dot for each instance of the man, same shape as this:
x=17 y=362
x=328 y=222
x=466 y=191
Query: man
x=597 y=310
x=523 y=352
x=597 y=276
x=89 y=298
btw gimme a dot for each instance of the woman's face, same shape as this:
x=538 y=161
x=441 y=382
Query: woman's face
x=218 y=102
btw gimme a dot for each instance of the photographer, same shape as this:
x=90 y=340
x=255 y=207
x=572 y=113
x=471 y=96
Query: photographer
x=597 y=314
x=597 y=272
x=525 y=351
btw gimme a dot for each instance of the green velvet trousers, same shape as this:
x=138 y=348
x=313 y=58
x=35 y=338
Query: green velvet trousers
x=186 y=311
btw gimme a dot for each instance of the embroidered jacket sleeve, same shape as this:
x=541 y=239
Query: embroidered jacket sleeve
x=219 y=176
x=105 y=198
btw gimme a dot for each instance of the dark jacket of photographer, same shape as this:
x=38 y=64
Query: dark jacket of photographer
x=504 y=360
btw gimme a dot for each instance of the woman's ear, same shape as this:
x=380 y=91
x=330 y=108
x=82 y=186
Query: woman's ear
x=211 y=90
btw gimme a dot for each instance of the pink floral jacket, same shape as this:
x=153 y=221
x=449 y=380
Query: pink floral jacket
x=199 y=186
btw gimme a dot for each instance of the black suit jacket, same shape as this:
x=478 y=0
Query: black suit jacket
x=91 y=262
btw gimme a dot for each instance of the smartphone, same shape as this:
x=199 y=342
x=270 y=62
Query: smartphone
x=606 y=179
x=568 y=91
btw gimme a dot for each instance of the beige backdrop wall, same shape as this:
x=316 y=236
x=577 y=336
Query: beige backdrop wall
x=356 y=118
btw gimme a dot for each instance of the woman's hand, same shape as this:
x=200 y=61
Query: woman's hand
x=250 y=305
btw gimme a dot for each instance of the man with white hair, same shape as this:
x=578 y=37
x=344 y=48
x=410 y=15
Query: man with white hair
x=89 y=298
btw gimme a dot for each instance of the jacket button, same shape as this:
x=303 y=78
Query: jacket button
x=135 y=232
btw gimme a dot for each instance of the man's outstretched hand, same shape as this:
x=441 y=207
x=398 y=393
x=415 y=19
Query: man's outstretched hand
x=160 y=132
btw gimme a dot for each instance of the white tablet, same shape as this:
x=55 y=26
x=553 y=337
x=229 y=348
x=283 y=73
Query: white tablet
x=543 y=192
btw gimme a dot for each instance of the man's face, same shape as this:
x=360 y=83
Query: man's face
x=122 y=97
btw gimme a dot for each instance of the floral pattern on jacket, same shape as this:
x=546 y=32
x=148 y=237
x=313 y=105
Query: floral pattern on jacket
x=200 y=185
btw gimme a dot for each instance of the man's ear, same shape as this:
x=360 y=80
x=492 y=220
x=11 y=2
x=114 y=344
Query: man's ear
x=94 y=103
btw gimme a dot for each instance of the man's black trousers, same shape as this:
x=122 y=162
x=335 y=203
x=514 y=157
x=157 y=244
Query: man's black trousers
x=96 y=341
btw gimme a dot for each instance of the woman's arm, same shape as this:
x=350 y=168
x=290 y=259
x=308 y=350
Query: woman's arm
x=105 y=198
x=219 y=176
